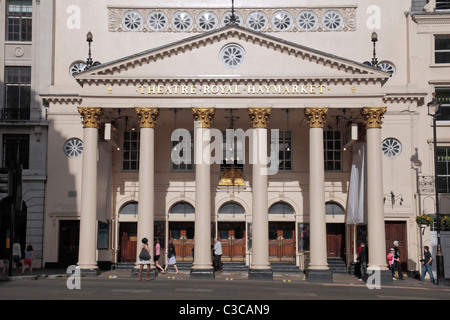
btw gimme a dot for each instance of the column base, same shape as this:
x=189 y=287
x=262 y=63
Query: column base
x=202 y=274
x=151 y=274
x=90 y=272
x=319 y=276
x=377 y=278
x=260 y=274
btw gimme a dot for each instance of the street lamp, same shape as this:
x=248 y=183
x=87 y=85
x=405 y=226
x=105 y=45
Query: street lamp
x=434 y=111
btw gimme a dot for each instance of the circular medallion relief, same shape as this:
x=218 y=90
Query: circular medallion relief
x=232 y=55
x=132 y=20
x=73 y=147
x=391 y=147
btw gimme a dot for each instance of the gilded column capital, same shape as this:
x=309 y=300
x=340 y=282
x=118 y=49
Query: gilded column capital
x=147 y=117
x=373 y=116
x=91 y=116
x=316 y=117
x=204 y=115
x=259 y=117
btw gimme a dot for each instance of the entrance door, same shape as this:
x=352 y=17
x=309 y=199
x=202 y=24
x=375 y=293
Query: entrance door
x=396 y=230
x=69 y=239
x=282 y=241
x=182 y=235
x=335 y=240
x=232 y=238
x=128 y=241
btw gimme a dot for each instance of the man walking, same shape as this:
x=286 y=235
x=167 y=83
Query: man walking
x=362 y=258
x=217 y=255
x=427 y=265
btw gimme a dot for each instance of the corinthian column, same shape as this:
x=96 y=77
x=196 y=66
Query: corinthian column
x=202 y=266
x=318 y=270
x=146 y=210
x=375 y=212
x=87 y=262
x=260 y=265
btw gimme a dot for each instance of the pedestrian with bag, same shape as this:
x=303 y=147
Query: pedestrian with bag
x=144 y=259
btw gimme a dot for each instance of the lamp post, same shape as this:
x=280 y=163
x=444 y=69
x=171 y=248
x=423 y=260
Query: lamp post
x=434 y=111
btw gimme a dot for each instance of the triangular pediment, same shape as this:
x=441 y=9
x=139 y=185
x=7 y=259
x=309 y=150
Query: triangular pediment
x=198 y=57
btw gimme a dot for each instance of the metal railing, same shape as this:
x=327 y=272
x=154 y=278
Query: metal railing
x=11 y=114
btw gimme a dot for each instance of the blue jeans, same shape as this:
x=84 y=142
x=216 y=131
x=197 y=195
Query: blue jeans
x=425 y=269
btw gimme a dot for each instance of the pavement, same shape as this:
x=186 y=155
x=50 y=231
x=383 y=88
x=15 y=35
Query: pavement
x=338 y=278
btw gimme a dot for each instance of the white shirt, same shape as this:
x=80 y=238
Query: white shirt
x=16 y=250
x=218 y=248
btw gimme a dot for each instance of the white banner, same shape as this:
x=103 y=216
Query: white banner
x=355 y=208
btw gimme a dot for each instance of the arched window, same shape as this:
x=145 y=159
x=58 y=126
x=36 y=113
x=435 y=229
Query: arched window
x=332 y=208
x=130 y=208
x=182 y=208
x=281 y=208
x=231 y=208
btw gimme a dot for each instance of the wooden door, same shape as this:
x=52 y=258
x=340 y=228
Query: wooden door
x=335 y=240
x=128 y=242
x=182 y=235
x=232 y=238
x=396 y=230
x=69 y=238
x=282 y=241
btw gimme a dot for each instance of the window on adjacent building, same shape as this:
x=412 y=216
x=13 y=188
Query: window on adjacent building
x=443 y=96
x=442 y=49
x=130 y=158
x=442 y=4
x=17 y=93
x=18 y=20
x=443 y=169
x=16 y=149
x=332 y=147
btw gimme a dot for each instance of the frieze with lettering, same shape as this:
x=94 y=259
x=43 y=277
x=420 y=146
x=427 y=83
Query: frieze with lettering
x=169 y=90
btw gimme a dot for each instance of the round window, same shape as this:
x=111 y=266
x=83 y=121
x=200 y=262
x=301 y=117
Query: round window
x=132 y=20
x=257 y=20
x=226 y=18
x=182 y=21
x=282 y=20
x=77 y=67
x=387 y=66
x=307 y=20
x=232 y=55
x=157 y=20
x=73 y=147
x=391 y=147
x=207 y=21
x=332 y=20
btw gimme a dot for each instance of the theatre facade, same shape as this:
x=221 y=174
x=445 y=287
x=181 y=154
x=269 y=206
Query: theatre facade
x=269 y=133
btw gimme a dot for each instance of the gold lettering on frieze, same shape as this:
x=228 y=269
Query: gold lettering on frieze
x=213 y=89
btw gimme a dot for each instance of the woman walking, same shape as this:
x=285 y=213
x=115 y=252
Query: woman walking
x=171 y=257
x=144 y=259
x=157 y=255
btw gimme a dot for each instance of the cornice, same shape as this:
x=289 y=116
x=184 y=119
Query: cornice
x=73 y=99
x=431 y=18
